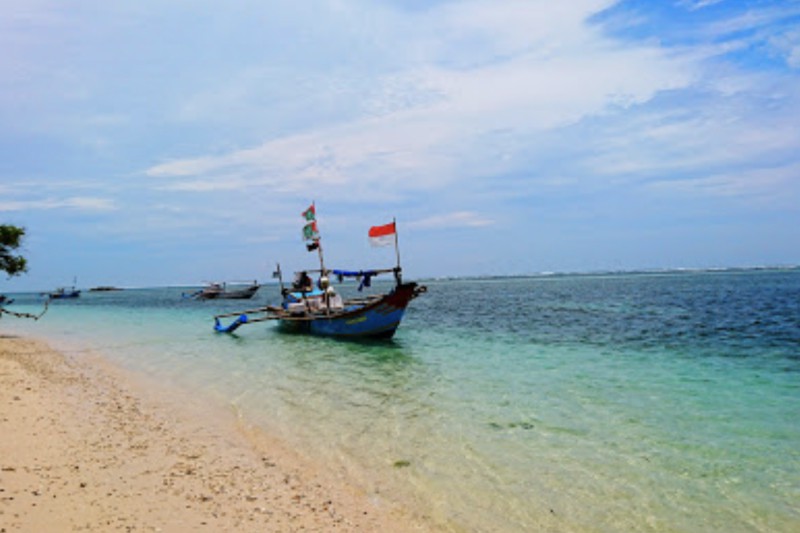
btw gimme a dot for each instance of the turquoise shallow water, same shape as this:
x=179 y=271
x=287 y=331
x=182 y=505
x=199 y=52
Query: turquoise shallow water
x=636 y=402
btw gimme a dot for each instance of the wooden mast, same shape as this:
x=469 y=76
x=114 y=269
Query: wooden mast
x=279 y=275
x=319 y=242
x=398 y=270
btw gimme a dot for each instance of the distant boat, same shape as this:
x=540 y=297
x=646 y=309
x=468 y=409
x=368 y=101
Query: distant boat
x=104 y=288
x=221 y=291
x=5 y=300
x=317 y=309
x=63 y=292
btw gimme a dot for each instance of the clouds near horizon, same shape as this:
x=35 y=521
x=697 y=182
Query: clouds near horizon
x=446 y=113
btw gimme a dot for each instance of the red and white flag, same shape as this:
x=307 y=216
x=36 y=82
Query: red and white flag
x=382 y=235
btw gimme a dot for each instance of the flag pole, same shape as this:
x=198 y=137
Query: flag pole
x=319 y=244
x=397 y=251
x=279 y=276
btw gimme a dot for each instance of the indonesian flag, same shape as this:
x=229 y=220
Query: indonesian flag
x=382 y=235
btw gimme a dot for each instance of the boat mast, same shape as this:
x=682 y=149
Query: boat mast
x=398 y=270
x=319 y=245
x=278 y=274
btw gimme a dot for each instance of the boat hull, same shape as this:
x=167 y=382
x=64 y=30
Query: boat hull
x=376 y=320
x=64 y=295
x=243 y=294
x=240 y=294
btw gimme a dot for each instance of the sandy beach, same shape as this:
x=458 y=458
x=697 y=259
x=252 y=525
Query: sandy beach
x=88 y=447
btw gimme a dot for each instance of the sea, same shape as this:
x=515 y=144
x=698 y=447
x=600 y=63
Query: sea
x=639 y=401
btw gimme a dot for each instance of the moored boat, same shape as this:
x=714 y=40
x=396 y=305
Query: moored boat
x=316 y=308
x=221 y=291
x=324 y=312
x=63 y=292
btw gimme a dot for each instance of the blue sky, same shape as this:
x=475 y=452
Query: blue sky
x=167 y=142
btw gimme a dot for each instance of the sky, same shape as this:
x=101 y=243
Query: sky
x=148 y=143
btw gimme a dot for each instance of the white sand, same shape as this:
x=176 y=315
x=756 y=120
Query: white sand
x=87 y=447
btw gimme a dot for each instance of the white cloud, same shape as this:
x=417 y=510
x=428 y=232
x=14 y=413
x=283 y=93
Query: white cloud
x=694 y=5
x=788 y=45
x=80 y=203
x=794 y=57
x=754 y=19
x=542 y=27
x=458 y=219
x=542 y=67
x=443 y=107
x=765 y=186
x=712 y=130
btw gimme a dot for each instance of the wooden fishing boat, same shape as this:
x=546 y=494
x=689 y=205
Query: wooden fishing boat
x=221 y=291
x=323 y=312
x=63 y=292
x=316 y=308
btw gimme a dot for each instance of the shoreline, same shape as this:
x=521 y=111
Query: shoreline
x=89 y=446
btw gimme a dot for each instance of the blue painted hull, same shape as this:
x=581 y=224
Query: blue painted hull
x=378 y=319
x=62 y=295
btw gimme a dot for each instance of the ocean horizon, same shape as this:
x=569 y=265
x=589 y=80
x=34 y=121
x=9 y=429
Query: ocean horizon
x=651 y=400
x=270 y=281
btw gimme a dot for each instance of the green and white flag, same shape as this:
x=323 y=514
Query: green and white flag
x=310 y=232
x=310 y=213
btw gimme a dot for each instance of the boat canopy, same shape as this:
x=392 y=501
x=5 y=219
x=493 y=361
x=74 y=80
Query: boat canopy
x=364 y=275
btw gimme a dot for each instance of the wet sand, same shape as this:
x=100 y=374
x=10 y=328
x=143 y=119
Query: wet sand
x=85 y=446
